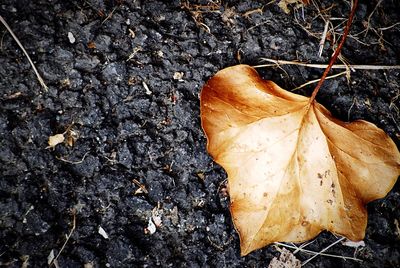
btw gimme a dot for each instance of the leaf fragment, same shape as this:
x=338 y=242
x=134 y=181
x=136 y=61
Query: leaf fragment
x=55 y=140
x=50 y=257
x=283 y=4
x=293 y=170
x=103 y=233
x=151 y=227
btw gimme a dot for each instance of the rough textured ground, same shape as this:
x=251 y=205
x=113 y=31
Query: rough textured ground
x=128 y=136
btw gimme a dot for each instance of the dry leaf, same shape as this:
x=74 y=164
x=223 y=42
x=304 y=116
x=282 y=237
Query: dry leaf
x=72 y=137
x=54 y=140
x=156 y=216
x=283 y=4
x=91 y=45
x=293 y=169
x=151 y=227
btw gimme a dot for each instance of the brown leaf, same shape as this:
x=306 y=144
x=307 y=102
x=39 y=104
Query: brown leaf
x=293 y=169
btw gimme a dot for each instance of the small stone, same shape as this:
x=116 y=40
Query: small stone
x=71 y=38
x=103 y=233
x=178 y=76
x=146 y=87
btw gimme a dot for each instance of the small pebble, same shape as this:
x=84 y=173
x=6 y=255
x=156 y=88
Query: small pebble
x=71 y=38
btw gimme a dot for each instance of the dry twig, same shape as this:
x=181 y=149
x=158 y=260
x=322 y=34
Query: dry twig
x=54 y=261
x=369 y=19
x=323 y=38
x=317 y=80
x=40 y=79
x=73 y=162
x=302 y=249
x=337 y=51
x=323 y=66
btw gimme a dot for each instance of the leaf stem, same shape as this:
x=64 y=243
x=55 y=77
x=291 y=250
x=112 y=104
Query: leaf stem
x=337 y=51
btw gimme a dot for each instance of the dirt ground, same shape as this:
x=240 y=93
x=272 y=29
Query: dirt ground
x=124 y=79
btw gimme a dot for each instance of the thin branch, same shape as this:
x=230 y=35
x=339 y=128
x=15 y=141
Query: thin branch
x=389 y=27
x=325 y=249
x=41 y=81
x=73 y=162
x=317 y=80
x=323 y=38
x=109 y=15
x=370 y=16
x=323 y=66
x=315 y=252
x=337 y=51
x=303 y=246
x=54 y=261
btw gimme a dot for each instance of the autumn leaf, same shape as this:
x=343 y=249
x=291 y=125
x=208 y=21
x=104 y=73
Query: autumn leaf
x=293 y=169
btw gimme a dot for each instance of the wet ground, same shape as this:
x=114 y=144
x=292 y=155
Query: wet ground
x=124 y=79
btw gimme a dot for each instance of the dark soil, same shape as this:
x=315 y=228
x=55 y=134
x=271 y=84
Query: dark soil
x=127 y=137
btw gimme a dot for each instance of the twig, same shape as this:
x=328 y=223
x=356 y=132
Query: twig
x=325 y=249
x=370 y=16
x=322 y=42
x=68 y=237
x=215 y=245
x=337 y=51
x=41 y=81
x=389 y=27
x=257 y=10
x=323 y=66
x=317 y=80
x=259 y=24
x=351 y=107
x=109 y=15
x=303 y=246
x=73 y=162
x=315 y=252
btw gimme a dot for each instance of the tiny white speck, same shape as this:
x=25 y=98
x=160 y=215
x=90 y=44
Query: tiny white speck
x=146 y=87
x=103 y=233
x=71 y=38
x=151 y=228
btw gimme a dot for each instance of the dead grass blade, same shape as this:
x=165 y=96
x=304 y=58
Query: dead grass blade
x=323 y=66
x=40 y=79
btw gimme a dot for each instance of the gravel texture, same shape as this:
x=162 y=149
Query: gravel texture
x=124 y=79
